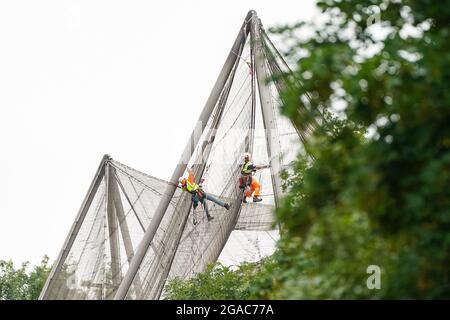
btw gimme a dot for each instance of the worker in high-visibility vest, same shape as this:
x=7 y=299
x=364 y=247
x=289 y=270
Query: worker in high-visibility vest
x=250 y=185
x=198 y=195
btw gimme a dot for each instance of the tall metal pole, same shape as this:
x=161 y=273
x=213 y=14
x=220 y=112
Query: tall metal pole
x=180 y=168
x=281 y=84
x=253 y=116
x=251 y=16
x=206 y=151
x=270 y=124
x=124 y=230
x=113 y=230
x=75 y=227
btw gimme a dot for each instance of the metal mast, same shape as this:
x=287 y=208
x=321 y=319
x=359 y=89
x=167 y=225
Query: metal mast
x=76 y=226
x=133 y=281
x=270 y=124
x=181 y=167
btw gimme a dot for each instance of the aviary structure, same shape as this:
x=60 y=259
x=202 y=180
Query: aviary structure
x=134 y=231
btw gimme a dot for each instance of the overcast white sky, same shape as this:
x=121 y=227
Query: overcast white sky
x=79 y=79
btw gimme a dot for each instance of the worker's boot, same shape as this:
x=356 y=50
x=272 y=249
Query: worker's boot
x=226 y=206
x=209 y=217
x=245 y=199
x=257 y=199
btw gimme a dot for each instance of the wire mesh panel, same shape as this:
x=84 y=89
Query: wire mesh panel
x=181 y=247
x=80 y=270
x=185 y=241
x=116 y=220
x=256 y=217
x=248 y=246
x=201 y=244
x=280 y=78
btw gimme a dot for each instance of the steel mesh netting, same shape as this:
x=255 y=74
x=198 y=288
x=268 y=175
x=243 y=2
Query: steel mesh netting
x=248 y=246
x=281 y=78
x=256 y=217
x=181 y=248
x=85 y=258
x=254 y=236
x=104 y=246
x=87 y=272
x=288 y=139
x=252 y=246
x=195 y=246
x=202 y=244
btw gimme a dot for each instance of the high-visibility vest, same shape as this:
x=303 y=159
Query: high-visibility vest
x=192 y=187
x=246 y=168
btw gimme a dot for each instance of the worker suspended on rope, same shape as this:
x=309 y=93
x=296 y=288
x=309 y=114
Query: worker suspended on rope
x=250 y=185
x=199 y=195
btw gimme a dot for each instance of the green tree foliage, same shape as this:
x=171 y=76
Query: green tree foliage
x=377 y=191
x=217 y=282
x=374 y=189
x=21 y=284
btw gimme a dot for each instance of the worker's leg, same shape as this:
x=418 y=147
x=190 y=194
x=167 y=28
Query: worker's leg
x=205 y=206
x=194 y=201
x=215 y=200
x=256 y=187
x=241 y=183
x=249 y=189
x=248 y=192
